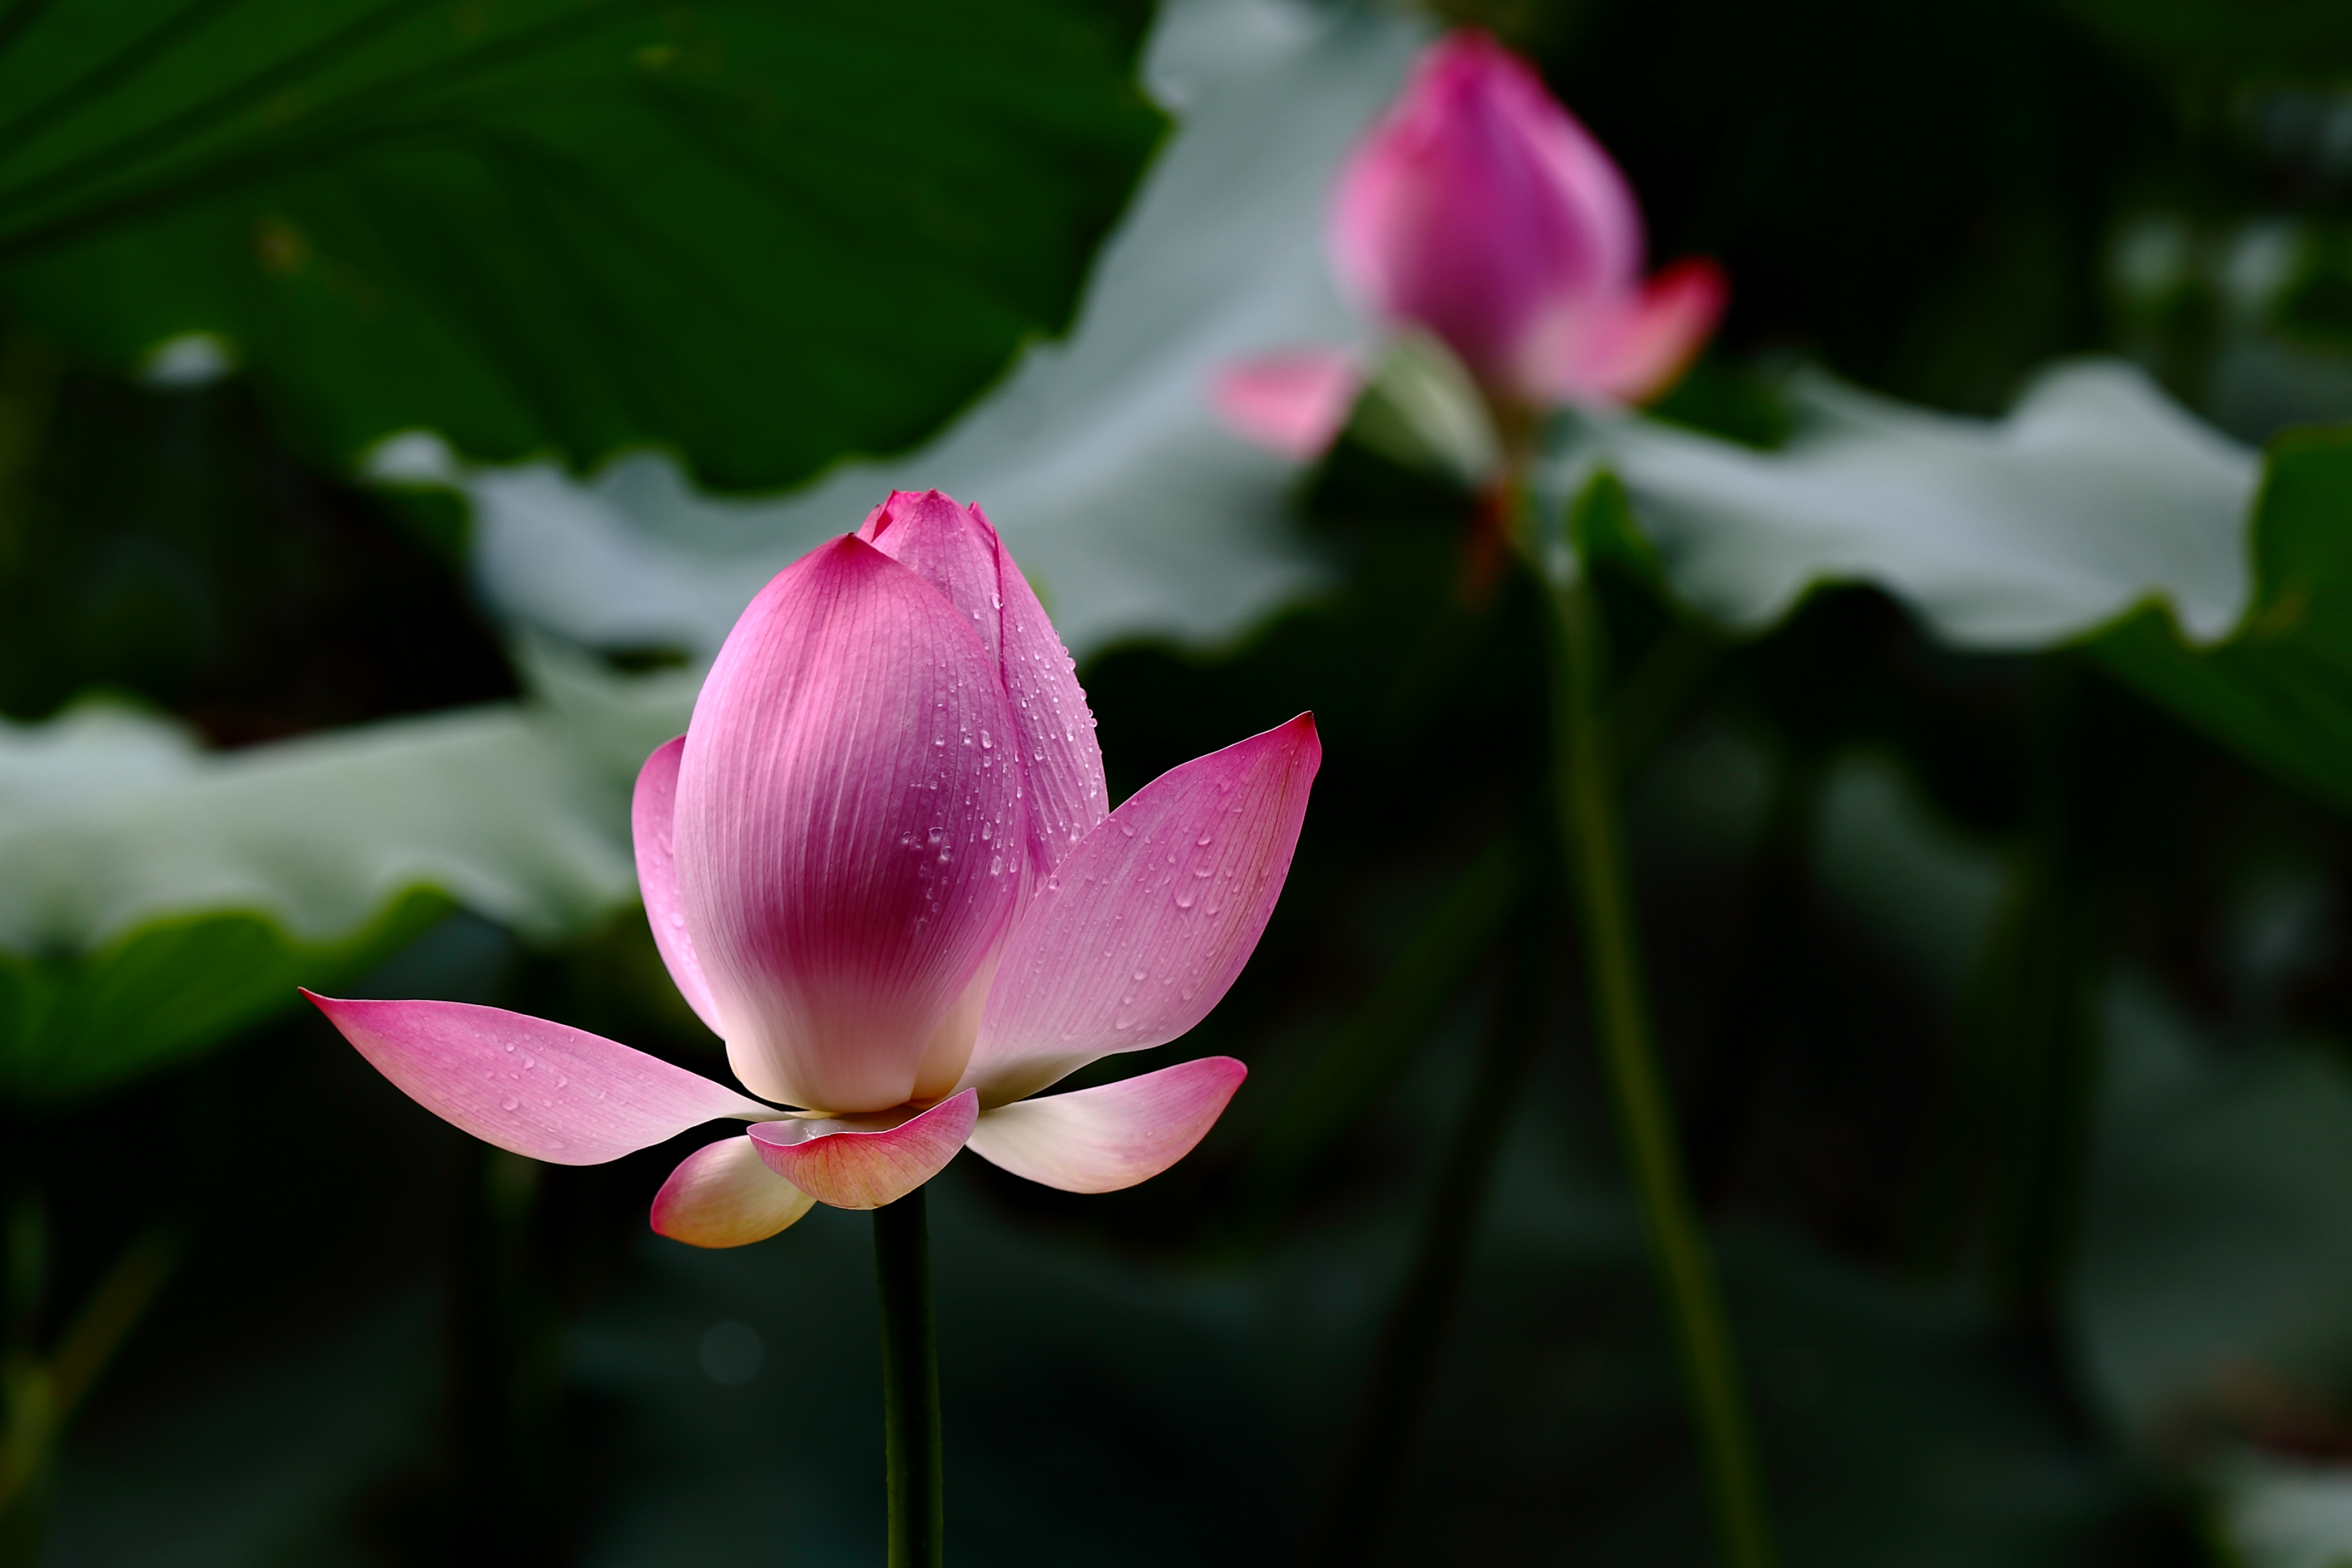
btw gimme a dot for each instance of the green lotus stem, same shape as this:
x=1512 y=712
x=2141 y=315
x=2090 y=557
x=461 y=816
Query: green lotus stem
x=1593 y=832
x=910 y=1384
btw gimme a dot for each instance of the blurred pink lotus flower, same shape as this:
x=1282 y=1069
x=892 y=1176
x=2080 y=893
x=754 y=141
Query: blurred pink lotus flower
x=881 y=865
x=1478 y=210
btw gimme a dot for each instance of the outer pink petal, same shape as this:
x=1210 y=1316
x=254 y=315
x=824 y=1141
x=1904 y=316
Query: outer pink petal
x=723 y=1195
x=1100 y=1140
x=1146 y=924
x=541 y=1089
x=1294 y=402
x=1634 y=347
x=955 y=550
x=848 y=832
x=1477 y=205
x=650 y=813
x=863 y=1163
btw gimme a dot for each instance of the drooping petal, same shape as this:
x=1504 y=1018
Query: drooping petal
x=1145 y=925
x=529 y=1085
x=847 y=832
x=1631 y=348
x=954 y=549
x=1294 y=402
x=1100 y=1140
x=1478 y=205
x=650 y=813
x=864 y=1162
x=723 y=1195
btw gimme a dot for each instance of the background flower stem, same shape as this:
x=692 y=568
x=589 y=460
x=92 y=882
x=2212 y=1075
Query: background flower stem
x=1592 y=829
x=910 y=1384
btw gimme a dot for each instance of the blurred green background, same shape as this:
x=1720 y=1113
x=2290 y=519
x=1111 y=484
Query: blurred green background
x=397 y=401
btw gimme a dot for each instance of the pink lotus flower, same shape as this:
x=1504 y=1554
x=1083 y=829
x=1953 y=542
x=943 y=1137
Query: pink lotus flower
x=881 y=865
x=1477 y=209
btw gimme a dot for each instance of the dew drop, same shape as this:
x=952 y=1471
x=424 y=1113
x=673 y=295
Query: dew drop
x=510 y=1103
x=985 y=743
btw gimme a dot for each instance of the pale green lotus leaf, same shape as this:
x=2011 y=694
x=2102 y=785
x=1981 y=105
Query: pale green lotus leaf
x=2279 y=1512
x=2094 y=495
x=493 y=805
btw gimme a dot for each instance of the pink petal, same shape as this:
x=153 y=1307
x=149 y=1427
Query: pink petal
x=650 y=813
x=541 y=1089
x=1293 y=402
x=954 y=549
x=1477 y=205
x=1100 y=1140
x=1632 y=347
x=723 y=1195
x=848 y=832
x=864 y=1162
x=1145 y=926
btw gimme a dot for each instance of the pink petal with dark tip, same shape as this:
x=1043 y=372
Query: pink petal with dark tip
x=864 y=1162
x=1144 y=926
x=848 y=831
x=1100 y=1140
x=650 y=812
x=537 y=1088
x=1293 y=402
x=1631 y=348
x=723 y=1195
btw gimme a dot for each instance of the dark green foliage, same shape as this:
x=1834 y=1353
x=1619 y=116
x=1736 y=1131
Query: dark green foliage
x=764 y=235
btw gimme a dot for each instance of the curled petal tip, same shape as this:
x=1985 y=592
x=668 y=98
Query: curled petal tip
x=1636 y=347
x=864 y=1162
x=724 y=1194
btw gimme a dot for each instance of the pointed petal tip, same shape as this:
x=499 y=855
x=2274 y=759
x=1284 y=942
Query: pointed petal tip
x=1643 y=349
x=847 y=1166
x=1104 y=1139
x=530 y=1085
x=1149 y=918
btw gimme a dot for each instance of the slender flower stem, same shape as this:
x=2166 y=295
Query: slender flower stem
x=1591 y=826
x=910 y=1384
